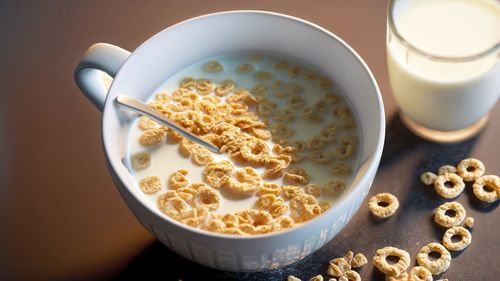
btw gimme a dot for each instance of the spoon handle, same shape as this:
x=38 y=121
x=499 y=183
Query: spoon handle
x=143 y=109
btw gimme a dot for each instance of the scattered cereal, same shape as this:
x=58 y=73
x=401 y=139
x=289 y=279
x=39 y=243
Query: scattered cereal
x=449 y=214
x=150 y=184
x=358 y=260
x=449 y=185
x=213 y=66
x=178 y=179
x=428 y=178
x=402 y=277
x=437 y=266
x=419 y=273
x=246 y=181
x=313 y=189
x=316 y=278
x=292 y=278
x=465 y=238
x=296 y=102
x=321 y=157
x=146 y=123
x=244 y=68
x=380 y=261
x=335 y=187
x=383 y=205
x=296 y=175
x=216 y=174
x=469 y=222
x=447 y=169
x=341 y=170
x=352 y=275
x=470 y=169
x=152 y=137
x=487 y=188
x=224 y=87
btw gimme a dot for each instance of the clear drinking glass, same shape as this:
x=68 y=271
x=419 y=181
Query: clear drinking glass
x=445 y=87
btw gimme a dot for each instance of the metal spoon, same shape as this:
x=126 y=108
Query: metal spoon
x=143 y=109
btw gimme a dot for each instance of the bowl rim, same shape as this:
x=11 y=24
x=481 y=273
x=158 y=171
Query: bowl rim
x=373 y=160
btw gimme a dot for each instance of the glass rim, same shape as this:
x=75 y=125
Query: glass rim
x=425 y=54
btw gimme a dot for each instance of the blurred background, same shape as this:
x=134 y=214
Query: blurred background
x=61 y=217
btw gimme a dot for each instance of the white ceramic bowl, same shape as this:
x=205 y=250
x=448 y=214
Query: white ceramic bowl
x=176 y=47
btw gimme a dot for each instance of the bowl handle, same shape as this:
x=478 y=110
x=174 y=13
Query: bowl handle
x=96 y=70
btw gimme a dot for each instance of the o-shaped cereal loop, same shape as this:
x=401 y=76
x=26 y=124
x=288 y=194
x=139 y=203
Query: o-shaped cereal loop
x=465 y=238
x=440 y=185
x=434 y=266
x=383 y=205
x=420 y=273
x=380 y=260
x=441 y=218
x=470 y=169
x=492 y=191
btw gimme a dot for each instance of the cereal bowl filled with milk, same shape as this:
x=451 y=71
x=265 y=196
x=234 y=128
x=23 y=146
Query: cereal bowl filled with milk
x=295 y=112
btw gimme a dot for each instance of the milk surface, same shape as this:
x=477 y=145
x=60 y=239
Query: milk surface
x=445 y=95
x=166 y=157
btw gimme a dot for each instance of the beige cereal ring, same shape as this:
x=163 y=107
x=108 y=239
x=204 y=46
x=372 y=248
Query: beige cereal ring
x=178 y=179
x=402 y=277
x=335 y=187
x=487 y=188
x=296 y=102
x=216 y=174
x=383 y=205
x=447 y=169
x=434 y=266
x=341 y=170
x=244 y=68
x=224 y=87
x=465 y=238
x=380 y=260
x=152 y=137
x=321 y=157
x=442 y=183
x=141 y=160
x=419 y=273
x=470 y=169
x=213 y=66
x=206 y=197
x=449 y=214
x=352 y=275
x=428 y=178
x=296 y=175
x=313 y=189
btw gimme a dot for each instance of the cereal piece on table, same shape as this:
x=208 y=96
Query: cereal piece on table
x=402 y=277
x=284 y=115
x=216 y=174
x=246 y=182
x=224 y=87
x=449 y=185
x=263 y=75
x=141 y=160
x=292 y=278
x=152 y=137
x=428 y=178
x=313 y=189
x=437 y=266
x=469 y=222
x=213 y=66
x=296 y=102
x=204 y=86
x=343 y=278
x=348 y=257
x=419 y=273
x=447 y=169
x=470 y=169
x=465 y=238
x=188 y=83
x=352 y=275
x=309 y=114
x=380 y=261
x=358 y=260
x=445 y=279
x=383 y=205
x=178 y=179
x=315 y=143
x=321 y=157
x=449 y=214
x=206 y=197
x=316 y=278
x=346 y=147
x=487 y=188
x=335 y=187
x=296 y=175
x=341 y=170
x=341 y=265
x=146 y=123
x=334 y=270
x=150 y=184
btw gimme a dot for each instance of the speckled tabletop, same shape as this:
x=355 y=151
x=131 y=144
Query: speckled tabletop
x=82 y=230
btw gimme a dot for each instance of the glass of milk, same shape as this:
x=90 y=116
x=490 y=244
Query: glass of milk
x=443 y=61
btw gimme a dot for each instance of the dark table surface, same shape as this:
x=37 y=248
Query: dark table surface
x=62 y=218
